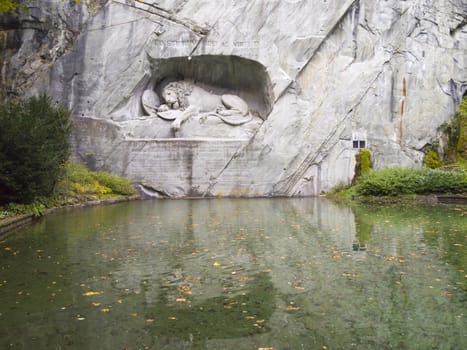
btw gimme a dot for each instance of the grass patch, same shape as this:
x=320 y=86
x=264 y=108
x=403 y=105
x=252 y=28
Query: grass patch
x=76 y=184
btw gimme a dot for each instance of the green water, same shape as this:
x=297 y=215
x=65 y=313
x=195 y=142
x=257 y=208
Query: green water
x=237 y=274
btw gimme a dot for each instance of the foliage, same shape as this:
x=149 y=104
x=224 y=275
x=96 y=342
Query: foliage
x=8 y=6
x=340 y=189
x=456 y=131
x=36 y=208
x=432 y=160
x=363 y=164
x=83 y=181
x=34 y=144
x=76 y=184
x=397 y=181
x=461 y=117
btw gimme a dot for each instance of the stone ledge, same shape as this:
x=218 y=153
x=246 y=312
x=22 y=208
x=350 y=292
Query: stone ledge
x=9 y=224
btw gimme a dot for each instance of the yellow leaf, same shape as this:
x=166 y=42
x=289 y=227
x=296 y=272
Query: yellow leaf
x=180 y=300
x=172 y=318
x=149 y=320
x=95 y=304
x=186 y=289
x=90 y=294
x=105 y=309
x=292 y=308
x=216 y=264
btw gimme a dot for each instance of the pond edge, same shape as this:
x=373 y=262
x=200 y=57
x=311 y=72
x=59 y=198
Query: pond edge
x=12 y=223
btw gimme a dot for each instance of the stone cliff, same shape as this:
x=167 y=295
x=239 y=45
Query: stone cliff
x=299 y=86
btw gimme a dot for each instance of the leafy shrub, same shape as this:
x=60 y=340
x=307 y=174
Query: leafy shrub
x=36 y=208
x=432 y=160
x=83 y=181
x=34 y=143
x=117 y=184
x=456 y=131
x=7 y=6
x=397 y=181
x=76 y=184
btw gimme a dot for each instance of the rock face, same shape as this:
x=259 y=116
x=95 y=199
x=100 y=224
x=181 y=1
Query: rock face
x=319 y=79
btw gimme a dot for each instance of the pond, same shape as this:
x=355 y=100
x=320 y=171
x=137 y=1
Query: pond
x=237 y=274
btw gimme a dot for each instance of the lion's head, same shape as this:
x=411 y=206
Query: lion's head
x=175 y=94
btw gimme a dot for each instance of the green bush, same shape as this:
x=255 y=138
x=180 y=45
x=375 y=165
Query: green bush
x=36 y=208
x=397 y=181
x=117 y=184
x=83 y=181
x=461 y=117
x=8 y=6
x=456 y=131
x=432 y=160
x=34 y=144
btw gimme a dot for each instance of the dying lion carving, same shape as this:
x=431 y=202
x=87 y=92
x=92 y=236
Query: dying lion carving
x=183 y=100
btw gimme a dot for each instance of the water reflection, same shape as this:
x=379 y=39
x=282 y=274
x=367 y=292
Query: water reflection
x=237 y=274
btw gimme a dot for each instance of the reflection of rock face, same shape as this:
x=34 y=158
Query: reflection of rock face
x=311 y=73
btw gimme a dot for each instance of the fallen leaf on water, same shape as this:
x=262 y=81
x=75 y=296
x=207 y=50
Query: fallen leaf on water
x=216 y=264
x=394 y=258
x=227 y=307
x=105 y=309
x=265 y=348
x=134 y=314
x=90 y=294
x=180 y=300
x=172 y=318
x=95 y=304
x=149 y=320
x=292 y=308
x=260 y=321
x=186 y=289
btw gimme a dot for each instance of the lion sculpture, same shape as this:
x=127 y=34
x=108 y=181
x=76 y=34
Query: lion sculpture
x=183 y=100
